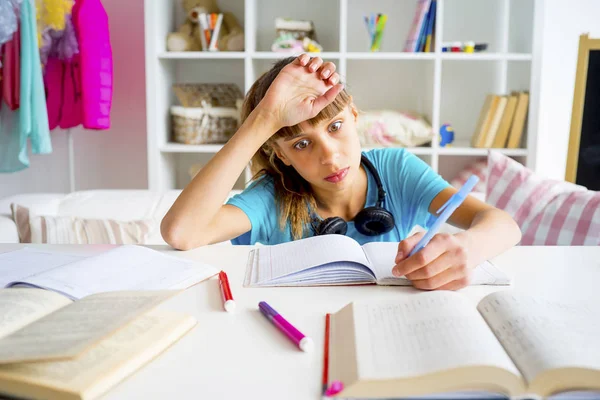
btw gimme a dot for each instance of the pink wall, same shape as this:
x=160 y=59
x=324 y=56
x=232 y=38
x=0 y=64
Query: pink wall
x=115 y=158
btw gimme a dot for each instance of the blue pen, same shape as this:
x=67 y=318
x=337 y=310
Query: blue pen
x=446 y=211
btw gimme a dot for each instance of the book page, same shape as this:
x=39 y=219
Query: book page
x=19 y=307
x=329 y=252
x=422 y=334
x=540 y=335
x=75 y=328
x=105 y=364
x=381 y=256
x=28 y=261
x=126 y=267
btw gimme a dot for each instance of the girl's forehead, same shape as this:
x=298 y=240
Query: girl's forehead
x=306 y=125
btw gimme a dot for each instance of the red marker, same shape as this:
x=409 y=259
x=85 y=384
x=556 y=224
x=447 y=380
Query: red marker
x=228 y=302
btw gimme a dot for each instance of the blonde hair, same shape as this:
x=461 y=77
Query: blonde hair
x=293 y=194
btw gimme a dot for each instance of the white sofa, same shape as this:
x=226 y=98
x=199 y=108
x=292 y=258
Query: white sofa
x=122 y=205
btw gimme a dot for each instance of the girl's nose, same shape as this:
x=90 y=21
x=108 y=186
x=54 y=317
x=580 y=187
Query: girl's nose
x=329 y=152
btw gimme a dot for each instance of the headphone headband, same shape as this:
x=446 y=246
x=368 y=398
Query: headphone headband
x=380 y=190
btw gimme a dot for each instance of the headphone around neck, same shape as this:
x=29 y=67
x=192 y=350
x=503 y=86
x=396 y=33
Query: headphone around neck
x=371 y=221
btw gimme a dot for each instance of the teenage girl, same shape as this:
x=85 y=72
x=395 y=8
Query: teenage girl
x=299 y=133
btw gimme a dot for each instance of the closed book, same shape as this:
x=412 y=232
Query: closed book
x=518 y=125
x=505 y=124
x=495 y=122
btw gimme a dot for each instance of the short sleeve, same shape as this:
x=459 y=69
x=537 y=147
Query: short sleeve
x=412 y=183
x=257 y=201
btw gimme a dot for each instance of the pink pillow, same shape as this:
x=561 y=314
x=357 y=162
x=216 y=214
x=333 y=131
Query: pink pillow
x=549 y=212
x=478 y=168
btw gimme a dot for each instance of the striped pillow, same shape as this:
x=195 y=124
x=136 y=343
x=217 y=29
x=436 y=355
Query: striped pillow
x=549 y=212
x=478 y=168
x=73 y=230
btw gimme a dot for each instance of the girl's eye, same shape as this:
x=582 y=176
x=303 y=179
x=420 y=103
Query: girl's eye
x=301 y=145
x=336 y=126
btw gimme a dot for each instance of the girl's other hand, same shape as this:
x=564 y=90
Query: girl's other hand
x=301 y=90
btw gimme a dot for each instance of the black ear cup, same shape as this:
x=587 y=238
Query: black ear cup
x=373 y=221
x=332 y=225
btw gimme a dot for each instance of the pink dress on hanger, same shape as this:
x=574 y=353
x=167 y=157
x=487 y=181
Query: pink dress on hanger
x=79 y=90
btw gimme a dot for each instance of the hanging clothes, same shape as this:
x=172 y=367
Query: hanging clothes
x=62 y=77
x=61 y=44
x=8 y=19
x=30 y=121
x=91 y=24
x=51 y=14
x=79 y=90
x=11 y=71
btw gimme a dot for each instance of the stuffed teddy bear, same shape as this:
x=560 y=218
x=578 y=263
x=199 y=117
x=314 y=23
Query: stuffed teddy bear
x=187 y=38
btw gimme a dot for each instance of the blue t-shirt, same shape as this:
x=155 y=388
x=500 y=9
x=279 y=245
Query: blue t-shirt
x=409 y=182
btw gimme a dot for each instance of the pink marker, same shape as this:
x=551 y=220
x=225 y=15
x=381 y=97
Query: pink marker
x=303 y=342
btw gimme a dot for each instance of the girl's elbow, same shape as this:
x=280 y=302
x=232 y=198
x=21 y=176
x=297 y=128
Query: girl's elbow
x=516 y=229
x=173 y=233
x=518 y=233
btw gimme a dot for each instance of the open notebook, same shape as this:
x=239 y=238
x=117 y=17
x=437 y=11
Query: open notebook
x=338 y=260
x=510 y=344
x=127 y=267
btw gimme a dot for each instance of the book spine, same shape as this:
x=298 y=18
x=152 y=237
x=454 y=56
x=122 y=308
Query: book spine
x=413 y=36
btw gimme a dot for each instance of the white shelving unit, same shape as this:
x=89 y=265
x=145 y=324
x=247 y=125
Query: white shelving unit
x=446 y=87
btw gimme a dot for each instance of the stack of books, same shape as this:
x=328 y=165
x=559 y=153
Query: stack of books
x=422 y=31
x=501 y=121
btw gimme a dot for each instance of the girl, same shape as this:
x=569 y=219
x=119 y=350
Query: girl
x=299 y=132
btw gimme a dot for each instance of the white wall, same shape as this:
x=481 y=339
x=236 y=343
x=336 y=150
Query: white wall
x=114 y=158
x=563 y=22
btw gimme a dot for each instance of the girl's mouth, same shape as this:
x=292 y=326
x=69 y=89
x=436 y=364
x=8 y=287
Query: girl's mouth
x=338 y=176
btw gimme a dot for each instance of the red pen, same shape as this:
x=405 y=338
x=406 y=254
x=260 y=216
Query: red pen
x=228 y=302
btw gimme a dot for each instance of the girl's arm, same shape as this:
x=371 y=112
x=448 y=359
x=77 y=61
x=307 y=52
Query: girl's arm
x=448 y=260
x=198 y=216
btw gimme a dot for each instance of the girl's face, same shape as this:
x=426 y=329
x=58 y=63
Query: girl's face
x=326 y=155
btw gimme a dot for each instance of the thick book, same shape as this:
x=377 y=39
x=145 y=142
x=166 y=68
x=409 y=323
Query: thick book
x=338 y=260
x=113 y=335
x=434 y=344
x=121 y=268
x=40 y=325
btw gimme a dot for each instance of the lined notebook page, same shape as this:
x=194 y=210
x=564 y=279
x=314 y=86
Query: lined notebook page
x=422 y=334
x=126 y=267
x=540 y=334
x=381 y=255
x=22 y=263
x=287 y=258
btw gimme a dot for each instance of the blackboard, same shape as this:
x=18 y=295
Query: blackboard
x=588 y=165
x=583 y=163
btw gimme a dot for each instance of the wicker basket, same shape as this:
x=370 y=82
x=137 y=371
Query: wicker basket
x=213 y=94
x=204 y=125
x=210 y=112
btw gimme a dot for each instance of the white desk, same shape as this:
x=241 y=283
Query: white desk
x=242 y=355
